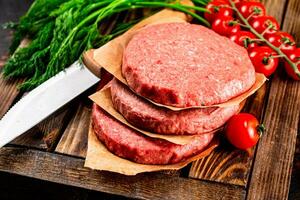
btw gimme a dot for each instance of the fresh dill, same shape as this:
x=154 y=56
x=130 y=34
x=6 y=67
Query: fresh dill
x=60 y=30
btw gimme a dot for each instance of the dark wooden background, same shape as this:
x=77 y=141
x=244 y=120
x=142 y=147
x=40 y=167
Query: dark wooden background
x=16 y=187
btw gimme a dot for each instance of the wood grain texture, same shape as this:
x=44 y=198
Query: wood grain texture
x=70 y=171
x=9 y=92
x=294 y=192
x=74 y=140
x=292 y=19
x=46 y=134
x=272 y=168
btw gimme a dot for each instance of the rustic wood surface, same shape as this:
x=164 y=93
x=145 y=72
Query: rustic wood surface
x=70 y=171
x=282 y=119
x=74 y=140
x=45 y=134
x=54 y=150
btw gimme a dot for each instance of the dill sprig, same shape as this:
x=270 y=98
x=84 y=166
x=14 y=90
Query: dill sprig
x=61 y=30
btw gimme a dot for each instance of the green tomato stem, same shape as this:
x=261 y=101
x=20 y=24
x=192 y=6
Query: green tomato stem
x=261 y=129
x=260 y=36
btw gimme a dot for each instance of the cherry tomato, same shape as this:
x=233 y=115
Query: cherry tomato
x=243 y=38
x=217 y=9
x=295 y=58
x=251 y=9
x=265 y=24
x=263 y=61
x=282 y=40
x=243 y=130
x=225 y=26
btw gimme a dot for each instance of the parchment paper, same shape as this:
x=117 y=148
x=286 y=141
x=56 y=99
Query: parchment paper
x=99 y=158
x=103 y=99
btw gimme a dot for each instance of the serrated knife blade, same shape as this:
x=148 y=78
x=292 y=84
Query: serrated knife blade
x=44 y=100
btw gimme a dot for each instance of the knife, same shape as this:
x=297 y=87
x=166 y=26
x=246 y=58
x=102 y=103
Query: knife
x=44 y=100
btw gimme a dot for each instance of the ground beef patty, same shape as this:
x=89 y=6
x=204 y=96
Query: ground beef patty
x=183 y=65
x=144 y=115
x=129 y=144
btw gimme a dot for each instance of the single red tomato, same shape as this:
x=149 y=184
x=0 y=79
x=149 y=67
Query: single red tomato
x=265 y=24
x=225 y=26
x=295 y=58
x=263 y=60
x=243 y=130
x=243 y=38
x=283 y=40
x=217 y=9
x=251 y=9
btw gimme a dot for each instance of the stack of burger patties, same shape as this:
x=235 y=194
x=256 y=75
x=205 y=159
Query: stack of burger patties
x=173 y=65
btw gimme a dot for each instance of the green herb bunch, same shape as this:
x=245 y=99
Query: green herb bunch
x=60 y=30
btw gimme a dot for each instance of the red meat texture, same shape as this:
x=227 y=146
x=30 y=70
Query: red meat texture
x=144 y=115
x=185 y=65
x=129 y=144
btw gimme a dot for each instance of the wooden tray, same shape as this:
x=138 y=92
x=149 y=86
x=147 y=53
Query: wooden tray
x=225 y=174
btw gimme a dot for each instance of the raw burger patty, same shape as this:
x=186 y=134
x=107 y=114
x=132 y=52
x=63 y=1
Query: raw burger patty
x=129 y=144
x=147 y=116
x=184 y=65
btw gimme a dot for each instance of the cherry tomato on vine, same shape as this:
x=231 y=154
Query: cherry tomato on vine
x=243 y=38
x=263 y=60
x=243 y=130
x=283 y=40
x=217 y=9
x=251 y=9
x=225 y=26
x=295 y=58
x=265 y=24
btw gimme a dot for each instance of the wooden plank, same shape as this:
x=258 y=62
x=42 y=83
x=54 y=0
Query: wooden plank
x=9 y=88
x=74 y=140
x=46 y=134
x=292 y=19
x=272 y=168
x=8 y=93
x=226 y=164
x=70 y=171
x=294 y=192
